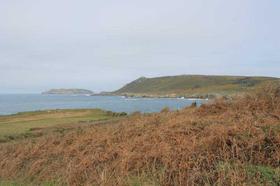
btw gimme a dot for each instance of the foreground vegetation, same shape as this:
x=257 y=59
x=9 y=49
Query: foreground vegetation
x=27 y=124
x=193 y=86
x=228 y=142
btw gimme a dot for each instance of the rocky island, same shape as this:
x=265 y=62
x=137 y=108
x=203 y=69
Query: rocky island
x=69 y=92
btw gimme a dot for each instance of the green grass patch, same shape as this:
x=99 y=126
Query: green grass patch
x=15 y=183
x=30 y=124
x=265 y=175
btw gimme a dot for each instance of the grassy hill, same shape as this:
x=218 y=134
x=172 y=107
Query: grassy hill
x=226 y=142
x=192 y=85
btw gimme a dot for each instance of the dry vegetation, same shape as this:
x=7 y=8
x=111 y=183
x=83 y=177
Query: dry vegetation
x=228 y=142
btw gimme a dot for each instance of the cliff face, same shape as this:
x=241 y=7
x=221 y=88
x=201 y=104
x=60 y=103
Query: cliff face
x=68 y=91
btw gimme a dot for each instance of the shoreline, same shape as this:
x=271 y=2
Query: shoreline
x=36 y=102
x=173 y=95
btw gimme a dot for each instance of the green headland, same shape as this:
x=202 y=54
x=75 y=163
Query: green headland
x=197 y=86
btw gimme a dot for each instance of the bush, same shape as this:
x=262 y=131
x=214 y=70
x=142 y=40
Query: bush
x=165 y=110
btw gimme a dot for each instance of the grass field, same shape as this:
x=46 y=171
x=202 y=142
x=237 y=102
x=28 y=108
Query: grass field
x=34 y=123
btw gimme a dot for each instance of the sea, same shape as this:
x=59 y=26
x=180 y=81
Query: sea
x=15 y=103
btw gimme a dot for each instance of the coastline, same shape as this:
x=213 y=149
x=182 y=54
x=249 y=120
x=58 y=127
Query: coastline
x=173 y=96
x=12 y=104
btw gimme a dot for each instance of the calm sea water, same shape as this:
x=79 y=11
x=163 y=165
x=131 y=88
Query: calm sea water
x=14 y=103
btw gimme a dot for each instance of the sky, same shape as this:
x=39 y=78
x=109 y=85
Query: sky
x=102 y=45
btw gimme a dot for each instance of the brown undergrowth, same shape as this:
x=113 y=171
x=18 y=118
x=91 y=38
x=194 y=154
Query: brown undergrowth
x=227 y=142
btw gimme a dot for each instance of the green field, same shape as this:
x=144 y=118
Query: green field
x=193 y=86
x=34 y=123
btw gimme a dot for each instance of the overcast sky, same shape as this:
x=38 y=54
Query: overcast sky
x=101 y=45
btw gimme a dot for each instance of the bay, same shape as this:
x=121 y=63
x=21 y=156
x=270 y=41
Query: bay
x=14 y=103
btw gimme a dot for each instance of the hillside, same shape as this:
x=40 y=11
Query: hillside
x=68 y=91
x=227 y=142
x=192 y=86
